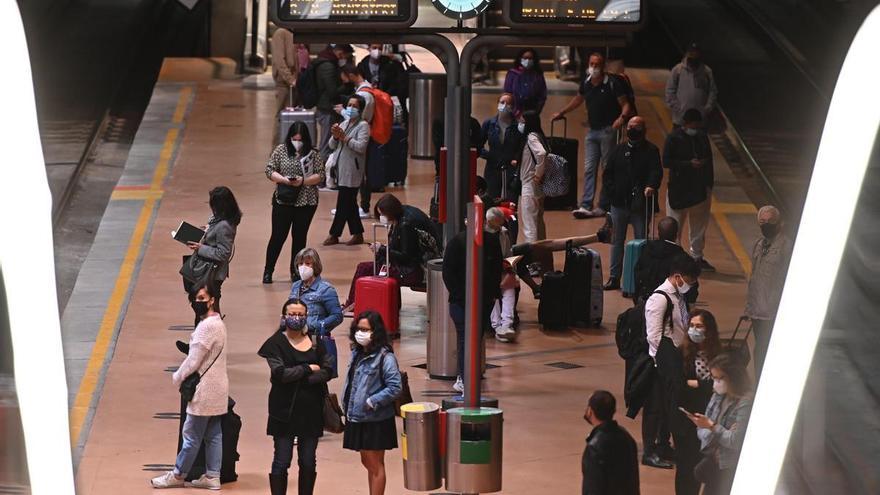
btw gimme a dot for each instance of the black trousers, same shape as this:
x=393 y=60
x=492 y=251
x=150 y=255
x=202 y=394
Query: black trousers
x=346 y=212
x=687 y=452
x=293 y=219
x=306 y=454
x=655 y=423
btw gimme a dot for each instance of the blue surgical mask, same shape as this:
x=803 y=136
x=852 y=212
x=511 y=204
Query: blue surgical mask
x=351 y=113
x=526 y=63
x=521 y=127
x=503 y=108
x=696 y=336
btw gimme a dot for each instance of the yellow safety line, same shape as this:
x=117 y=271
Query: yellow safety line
x=719 y=210
x=131 y=195
x=89 y=382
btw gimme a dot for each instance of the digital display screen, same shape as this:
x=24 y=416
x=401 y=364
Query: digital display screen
x=576 y=11
x=345 y=10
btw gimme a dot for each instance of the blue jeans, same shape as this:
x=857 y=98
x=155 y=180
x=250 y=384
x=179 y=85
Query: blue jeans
x=597 y=144
x=197 y=429
x=306 y=454
x=622 y=218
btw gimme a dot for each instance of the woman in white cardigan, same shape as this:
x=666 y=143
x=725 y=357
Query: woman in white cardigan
x=531 y=173
x=207 y=357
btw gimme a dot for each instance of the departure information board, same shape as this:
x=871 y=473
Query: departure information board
x=389 y=13
x=574 y=13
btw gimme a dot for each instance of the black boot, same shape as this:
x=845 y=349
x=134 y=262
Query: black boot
x=306 y=482
x=278 y=484
x=267 y=276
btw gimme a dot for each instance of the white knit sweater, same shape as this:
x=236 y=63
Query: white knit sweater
x=206 y=342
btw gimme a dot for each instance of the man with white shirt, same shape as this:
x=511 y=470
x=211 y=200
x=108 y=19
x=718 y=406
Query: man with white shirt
x=661 y=322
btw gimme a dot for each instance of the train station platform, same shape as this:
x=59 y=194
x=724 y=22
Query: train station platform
x=128 y=307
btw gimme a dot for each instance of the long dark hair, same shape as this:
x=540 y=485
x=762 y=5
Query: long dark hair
x=536 y=61
x=738 y=381
x=389 y=206
x=380 y=335
x=290 y=302
x=224 y=206
x=298 y=127
x=532 y=120
x=712 y=344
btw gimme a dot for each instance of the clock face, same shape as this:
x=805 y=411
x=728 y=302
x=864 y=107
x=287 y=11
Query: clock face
x=461 y=9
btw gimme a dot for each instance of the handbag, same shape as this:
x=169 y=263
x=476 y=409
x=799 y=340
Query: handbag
x=190 y=383
x=334 y=417
x=405 y=396
x=287 y=195
x=739 y=348
x=330 y=169
x=197 y=270
x=556 y=179
x=329 y=344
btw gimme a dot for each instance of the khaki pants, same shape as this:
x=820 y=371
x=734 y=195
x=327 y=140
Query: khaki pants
x=698 y=219
x=282 y=97
x=531 y=214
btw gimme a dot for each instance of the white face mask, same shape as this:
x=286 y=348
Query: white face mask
x=297 y=145
x=696 y=336
x=526 y=63
x=592 y=71
x=342 y=62
x=374 y=53
x=363 y=338
x=521 y=127
x=306 y=272
x=684 y=288
x=719 y=387
x=503 y=108
x=690 y=132
x=383 y=220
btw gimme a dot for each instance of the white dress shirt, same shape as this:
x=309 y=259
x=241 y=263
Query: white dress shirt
x=655 y=309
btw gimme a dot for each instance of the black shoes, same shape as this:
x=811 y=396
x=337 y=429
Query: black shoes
x=611 y=284
x=605 y=233
x=654 y=460
x=267 y=277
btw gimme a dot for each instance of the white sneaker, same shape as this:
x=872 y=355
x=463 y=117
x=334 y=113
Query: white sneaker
x=505 y=334
x=458 y=386
x=167 y=480
x=206 y=483
x=363 y=213
x=582 y=213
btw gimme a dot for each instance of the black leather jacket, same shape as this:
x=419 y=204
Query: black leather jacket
x=610 y=462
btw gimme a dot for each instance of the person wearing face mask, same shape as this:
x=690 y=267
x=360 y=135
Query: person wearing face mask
x=412 y=241
x=688 y=385
x=329 y=87
x=352 y=75
x=691 y=84
x=531 y=173
x=610 y=461
x=608 y=108
x=372 y=384
x=317 y=293
x=631 y=179
x=504 y=139
x=349 y=142
x=525 y=81
x=664 y=322
x=384 y=73
x=296 y=169
x=205 y=356
x=299 y=371
x=688 y=156
x=504 y=310
x=722 y=429
x=770 y=256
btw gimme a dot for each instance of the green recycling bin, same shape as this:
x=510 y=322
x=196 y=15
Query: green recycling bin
x=473 y=449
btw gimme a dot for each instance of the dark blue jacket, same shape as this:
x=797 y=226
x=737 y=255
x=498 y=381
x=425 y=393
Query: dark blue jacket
x=499 y=154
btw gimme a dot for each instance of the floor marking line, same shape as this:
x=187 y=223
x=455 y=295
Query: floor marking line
x=733 y=241
x=136 y=195
x=182 y=103
x=165 y=158
x=734 y=208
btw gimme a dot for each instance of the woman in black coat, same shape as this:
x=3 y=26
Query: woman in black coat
x=300 y=369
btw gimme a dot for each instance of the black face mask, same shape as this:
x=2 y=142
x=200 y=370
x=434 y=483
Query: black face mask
x=200 y=307
x=693 y=63
x=769 y=230
x=635 y=134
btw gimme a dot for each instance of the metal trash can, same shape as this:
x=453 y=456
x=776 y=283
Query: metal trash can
x=473 y=450
x=420 y=446
x=427 y=92
x=442 y=342
x=458 y=401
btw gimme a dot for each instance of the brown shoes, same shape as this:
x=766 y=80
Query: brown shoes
x=356 y=240
x=330 y=241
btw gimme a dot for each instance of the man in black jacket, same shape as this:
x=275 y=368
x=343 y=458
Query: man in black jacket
x=384 y=73
x=610 y=463
x=631 y=180
x=688 y=156
x=653 y=265
x=455 y=276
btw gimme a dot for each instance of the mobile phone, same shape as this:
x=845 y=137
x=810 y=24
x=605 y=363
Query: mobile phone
x=685 y=411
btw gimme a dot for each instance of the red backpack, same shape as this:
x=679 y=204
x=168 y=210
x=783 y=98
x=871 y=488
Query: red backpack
x=383 y=115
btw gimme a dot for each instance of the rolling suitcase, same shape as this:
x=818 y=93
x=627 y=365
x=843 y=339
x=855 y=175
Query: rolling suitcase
x=553 y=307
x=230 y=425
x=396 y=152
x=287 y=116
x=376 y=165
x=568 y=149
x=583 y=269
x=633 y=251
x=380 y=293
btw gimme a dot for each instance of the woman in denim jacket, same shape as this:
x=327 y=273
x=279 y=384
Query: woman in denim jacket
x=320 y=296
x=371 y=385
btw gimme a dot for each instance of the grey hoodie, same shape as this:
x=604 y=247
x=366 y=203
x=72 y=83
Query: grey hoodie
x=689 y=88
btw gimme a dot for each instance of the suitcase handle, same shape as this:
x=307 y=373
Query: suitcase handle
x=387 y=247
x=736 y=330
x=564 y=126
x=649 y=217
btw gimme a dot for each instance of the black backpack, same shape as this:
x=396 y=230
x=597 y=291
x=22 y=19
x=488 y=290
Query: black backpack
x=307 y=85
x=631 y=334
x=625 y=83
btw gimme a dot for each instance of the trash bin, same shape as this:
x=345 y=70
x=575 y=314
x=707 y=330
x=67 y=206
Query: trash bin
x=458 y=401
x=473 y=449
x=442 y=343
x=420 y=445
x=427 y=93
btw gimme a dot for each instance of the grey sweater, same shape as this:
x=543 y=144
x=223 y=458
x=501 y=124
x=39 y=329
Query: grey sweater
x=351 y=155
x=687 y=88
x=217 y=245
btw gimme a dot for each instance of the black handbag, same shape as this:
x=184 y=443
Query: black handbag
x=287 y=195
x=190 y=383
x=334 y=418
x=197 y=270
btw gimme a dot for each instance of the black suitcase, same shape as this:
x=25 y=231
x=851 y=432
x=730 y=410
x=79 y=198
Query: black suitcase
x=376 y=165
x=396 y=152
x=583 y=269
x=568 y=149
x=231 y=427
x=554 y=304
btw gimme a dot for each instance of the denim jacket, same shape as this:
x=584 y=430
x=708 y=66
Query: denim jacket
x=499 y=154
x=725 y=439
x=322 y=302
x=373 y=390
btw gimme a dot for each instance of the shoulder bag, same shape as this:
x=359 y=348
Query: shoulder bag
x=190 y=383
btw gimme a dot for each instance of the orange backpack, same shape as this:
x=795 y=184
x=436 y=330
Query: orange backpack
x=383 y=115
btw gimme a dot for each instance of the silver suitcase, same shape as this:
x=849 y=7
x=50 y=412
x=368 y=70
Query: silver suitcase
x=288 y=115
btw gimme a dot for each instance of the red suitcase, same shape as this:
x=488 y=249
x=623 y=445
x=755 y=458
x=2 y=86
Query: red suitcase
x=379 y=293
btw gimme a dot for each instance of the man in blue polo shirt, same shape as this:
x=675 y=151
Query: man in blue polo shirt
x=608 y=108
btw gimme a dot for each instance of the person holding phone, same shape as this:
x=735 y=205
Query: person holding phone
x=722 y=428
x=296 y=168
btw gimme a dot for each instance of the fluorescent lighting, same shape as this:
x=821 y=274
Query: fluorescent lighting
x=27 y=260
x=844 y=153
